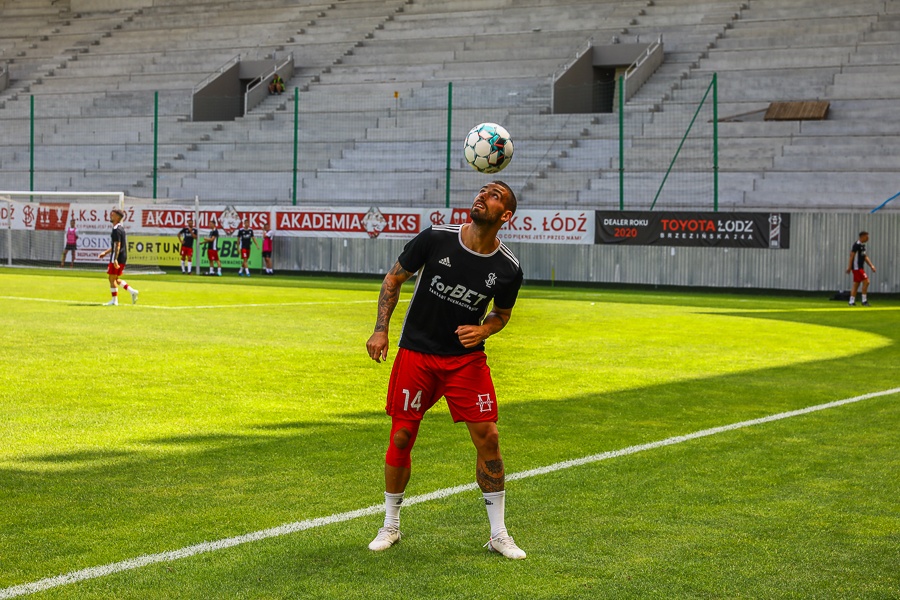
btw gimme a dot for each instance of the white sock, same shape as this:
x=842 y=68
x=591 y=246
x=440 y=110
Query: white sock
x=220 y=271
x=852 y=299
x=864 y=298
x=189 y=267
x=182 y=266
x=392 y=504
x=495 y=502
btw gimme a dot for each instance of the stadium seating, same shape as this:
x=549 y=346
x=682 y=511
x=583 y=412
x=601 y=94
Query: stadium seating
x=372 y=85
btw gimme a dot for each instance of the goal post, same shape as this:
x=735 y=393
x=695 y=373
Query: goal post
x=37 y=230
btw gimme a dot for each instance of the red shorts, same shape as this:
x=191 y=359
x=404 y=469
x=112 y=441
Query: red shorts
x=419 y=380
x=187 y=252
x=859 y=275
x=245 y=253
x=112 y=270
x=212 y=255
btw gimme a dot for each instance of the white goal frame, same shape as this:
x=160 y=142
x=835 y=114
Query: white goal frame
x=11 y=196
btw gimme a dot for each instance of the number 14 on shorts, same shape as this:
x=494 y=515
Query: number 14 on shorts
x=415 y=404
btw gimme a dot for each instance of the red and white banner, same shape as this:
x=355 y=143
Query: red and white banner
x=529 y=226
x=385 y=223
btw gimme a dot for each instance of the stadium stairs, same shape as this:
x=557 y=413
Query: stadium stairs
x=373 y=75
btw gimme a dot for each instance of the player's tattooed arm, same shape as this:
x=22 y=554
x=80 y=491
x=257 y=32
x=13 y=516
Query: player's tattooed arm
x=390 y=295
x=377 y=346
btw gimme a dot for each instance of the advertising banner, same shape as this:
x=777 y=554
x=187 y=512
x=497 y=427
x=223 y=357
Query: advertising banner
x=89 y=248
x=164 y=251
x=142 y=249
x=719 y=230
x=374 y=222
x=229 y=254
x=530 y=226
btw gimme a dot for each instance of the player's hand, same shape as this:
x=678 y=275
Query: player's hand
x=471 y=335
x=377 y=346
x=848 y=269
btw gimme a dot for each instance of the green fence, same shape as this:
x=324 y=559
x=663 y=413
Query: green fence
x=383 y=143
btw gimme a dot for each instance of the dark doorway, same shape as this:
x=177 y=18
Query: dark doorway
x=604 y=89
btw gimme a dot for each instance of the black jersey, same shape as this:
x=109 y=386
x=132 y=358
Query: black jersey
x=245 y=236
x=859 y=255
x=118 y=237
x=187 y=236
x=213 y=244
x=455 y=286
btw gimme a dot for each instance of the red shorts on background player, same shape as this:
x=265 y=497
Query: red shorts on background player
x=118 y=256
x=212 y=249
x=857 y=265
x=245 y=236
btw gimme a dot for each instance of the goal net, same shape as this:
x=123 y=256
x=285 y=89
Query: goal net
x=64 y=229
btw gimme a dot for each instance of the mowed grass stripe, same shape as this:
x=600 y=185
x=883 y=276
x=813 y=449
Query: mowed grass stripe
x=289 y=528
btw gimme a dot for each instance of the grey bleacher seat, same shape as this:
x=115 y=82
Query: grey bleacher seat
x=97 y=72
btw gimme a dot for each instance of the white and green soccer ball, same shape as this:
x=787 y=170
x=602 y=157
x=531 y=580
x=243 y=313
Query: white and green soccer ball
x=488 y=148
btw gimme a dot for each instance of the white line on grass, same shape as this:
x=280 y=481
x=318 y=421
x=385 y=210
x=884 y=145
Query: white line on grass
x=287 y=528
x=263 y=304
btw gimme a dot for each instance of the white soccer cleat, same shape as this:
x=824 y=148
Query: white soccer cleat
x=387 y=537
x=505 y=546
x=134 y=296
x=112 y=303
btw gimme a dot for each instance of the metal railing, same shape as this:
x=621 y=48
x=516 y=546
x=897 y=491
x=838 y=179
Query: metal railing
x=257 y=92
x=638 y=63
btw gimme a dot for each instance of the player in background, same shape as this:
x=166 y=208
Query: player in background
x=118 y=256
x=71 y=243
x=461 y=269
x=268 y=240
x=186 y=236
x=857 y=265
x=212 y=249
x=245 y=236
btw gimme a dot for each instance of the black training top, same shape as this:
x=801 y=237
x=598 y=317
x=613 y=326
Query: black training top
x=118 y=236
x=455 y=287
x=187 y=236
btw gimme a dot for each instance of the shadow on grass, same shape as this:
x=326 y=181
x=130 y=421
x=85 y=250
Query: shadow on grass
x=213 y=486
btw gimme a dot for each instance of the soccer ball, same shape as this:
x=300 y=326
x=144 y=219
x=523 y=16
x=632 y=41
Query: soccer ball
x=488 y=148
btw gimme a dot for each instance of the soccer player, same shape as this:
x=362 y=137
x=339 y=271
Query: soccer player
x=268 y=238
x=858 y=261
x=186 y=236
x=71 y=243
x=212 y=249
x=118 y=255
x=461 y=269
x=245 y=236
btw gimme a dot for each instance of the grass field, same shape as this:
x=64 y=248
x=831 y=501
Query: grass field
x=216 y=408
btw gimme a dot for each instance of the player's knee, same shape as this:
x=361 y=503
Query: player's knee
x=487 y=440
x=403 y=436
x=492 y=441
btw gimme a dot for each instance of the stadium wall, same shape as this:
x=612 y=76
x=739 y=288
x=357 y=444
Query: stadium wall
x=816 y=261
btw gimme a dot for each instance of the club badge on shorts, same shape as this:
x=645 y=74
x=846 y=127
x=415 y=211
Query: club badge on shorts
x=485 y=403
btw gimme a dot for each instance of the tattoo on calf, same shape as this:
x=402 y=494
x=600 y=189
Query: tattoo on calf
x=491 y=478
